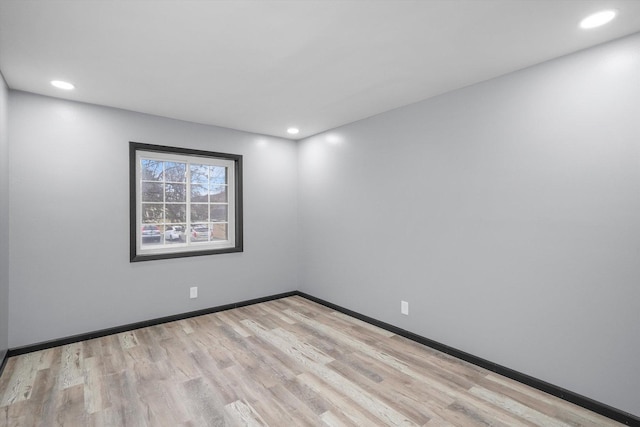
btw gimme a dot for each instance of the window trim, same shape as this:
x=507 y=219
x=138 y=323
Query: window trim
x=134 y=148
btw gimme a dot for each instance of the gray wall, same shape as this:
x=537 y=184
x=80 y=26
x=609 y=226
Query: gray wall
x=506 y=213
x=4 y=220
x=70 y=270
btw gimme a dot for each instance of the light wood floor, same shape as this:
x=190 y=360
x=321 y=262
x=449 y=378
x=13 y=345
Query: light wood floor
x=288 y=362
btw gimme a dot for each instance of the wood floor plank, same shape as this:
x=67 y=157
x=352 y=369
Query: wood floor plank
x=440 y=367
x=299 y=413
x=314 y=361
x=21 y=383
x=94 y=393
x=465 y=416
x=204 y=402
x=330 y=419
x=474 y=412
x=410 y=397
x=288 y=362
x=70 y=407
x=363 y=325
x=412 y=409
x=562 y=410
x=516 y=408
x=128 y=339
x=241 y=413
x=343 y=406
x=234 y=323
x=314 y=401
x=42 y=404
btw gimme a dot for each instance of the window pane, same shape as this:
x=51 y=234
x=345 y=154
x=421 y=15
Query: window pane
x=199 y=233
x=218 y=213
x=174 y=234
x=152 y=213
x=151 y=192
x=151 y=170
x=199 y=213
x=218 y=193
x=175 y=172
x=175 y=192
x=219 y=231
x=176 y=213
x=217 y=175
x=199 y=174
x=199 y=193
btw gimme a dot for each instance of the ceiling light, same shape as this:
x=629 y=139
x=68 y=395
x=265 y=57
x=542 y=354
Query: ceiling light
x=293 y=131
x=62 y=85
x=597 y=19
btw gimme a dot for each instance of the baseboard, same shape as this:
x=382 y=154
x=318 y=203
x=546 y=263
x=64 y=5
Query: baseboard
x=569 y=396
x=5 y=357
x=583 y=401
x=144 y=324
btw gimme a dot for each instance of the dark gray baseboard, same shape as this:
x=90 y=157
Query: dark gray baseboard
x=3 y=363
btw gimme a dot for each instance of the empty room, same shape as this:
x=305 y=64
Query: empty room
x=320 y=213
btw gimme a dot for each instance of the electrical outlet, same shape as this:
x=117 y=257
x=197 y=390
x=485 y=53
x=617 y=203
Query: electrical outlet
x=404 y=308
x=193 y=292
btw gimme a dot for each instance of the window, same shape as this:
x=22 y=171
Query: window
x=184 y=202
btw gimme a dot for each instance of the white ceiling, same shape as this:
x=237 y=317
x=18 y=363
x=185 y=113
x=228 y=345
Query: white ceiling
x=262 y=66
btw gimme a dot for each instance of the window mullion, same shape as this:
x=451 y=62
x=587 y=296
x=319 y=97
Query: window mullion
x=164 y=200
x=187 y=231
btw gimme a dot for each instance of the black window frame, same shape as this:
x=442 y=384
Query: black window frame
x=134 y=147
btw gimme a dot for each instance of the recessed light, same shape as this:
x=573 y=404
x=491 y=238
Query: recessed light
x=597 y=19
x=62 y=85
x=293 y=131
